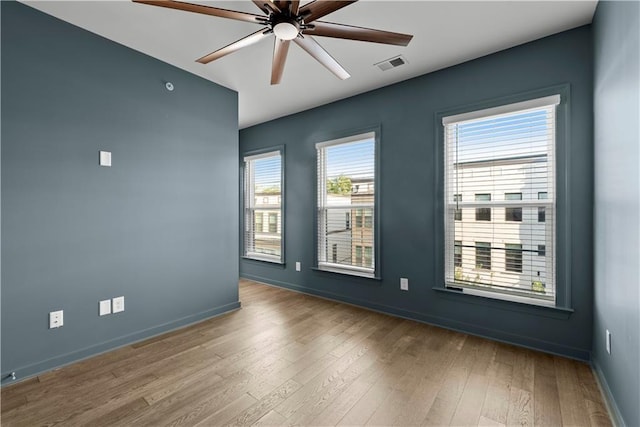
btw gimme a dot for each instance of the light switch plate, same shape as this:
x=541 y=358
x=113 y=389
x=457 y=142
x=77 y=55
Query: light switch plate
x=56 y=319
x=105 y=158
x=298 y=266
x=118 y=304
x=105 y=307
x=404 y=284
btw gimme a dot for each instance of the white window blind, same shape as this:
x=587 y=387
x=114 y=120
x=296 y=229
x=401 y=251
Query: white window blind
x=500 y=201
x=346 y=205
x=263 y=223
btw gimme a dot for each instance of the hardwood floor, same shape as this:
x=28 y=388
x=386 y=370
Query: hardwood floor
x=292 y=359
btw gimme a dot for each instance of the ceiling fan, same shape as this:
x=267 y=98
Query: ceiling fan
x=287 y=20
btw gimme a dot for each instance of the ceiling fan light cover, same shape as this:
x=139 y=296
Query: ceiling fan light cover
x=285 y=31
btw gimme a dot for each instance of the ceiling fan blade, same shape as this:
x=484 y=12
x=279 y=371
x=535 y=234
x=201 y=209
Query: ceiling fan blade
x=237 y=45
x=280 y=50
x=322 y=56
x=319 y=8
x=267 y=6
x=341 y=31
x=287 y=5
x=294 y=6
x=206 y=10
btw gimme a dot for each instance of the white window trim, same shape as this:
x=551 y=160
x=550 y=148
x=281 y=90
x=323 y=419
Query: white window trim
x=505 y=295
x=523 y=106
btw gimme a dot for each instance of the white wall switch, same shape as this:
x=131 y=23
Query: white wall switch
x=56 y=319
x=105 y=158
x=298 y=266
x=404 y=284
x=118 y=304
x=608 y=341
x=105 y=307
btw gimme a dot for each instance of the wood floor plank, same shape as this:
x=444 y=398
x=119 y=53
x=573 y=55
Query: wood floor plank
x=419 y=403
x=546 y=406
x=272 y=418
x=262 y=407
x=521 y=411
x=572 y=404
x=469 y=406
x=349 y=397
x=496 y=404
x=287 y=358
x=402 y=391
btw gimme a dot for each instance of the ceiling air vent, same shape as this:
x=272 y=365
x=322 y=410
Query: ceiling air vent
x=390 y=63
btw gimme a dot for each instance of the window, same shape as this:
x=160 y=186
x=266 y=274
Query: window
x=542 y=213
x=368 y=256
x=506 y=150
x=457 y=253
x=273 y=222
x=513 y=257
x=346 y=189
x=359 y=218
x=457 y=215
x=513 y=214
x=483 y=255
x=262 y=201
x=258 y=222
x=483 y=214
x=368 y=219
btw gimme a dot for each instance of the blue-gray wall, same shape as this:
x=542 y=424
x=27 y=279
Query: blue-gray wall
x=159 y=227
x=617 y=204
x=410 y=193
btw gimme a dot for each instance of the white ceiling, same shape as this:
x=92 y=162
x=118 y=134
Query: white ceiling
x=445 y=33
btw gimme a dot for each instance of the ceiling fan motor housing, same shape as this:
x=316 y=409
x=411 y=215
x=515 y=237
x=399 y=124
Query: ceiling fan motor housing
x=285 y=28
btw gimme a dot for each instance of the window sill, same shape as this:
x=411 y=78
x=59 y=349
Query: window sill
x=347 y=273
x=506 y=304
x=267 y=261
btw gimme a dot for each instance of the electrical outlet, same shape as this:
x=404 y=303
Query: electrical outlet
x=298 y=266
x=608 y=341
x=56 y=319
x=105 y=307
x=118 y=304
x=404 y=284
x=105 y=158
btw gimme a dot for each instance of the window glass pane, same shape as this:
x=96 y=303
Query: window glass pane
x=513 y=257
x=258 y=217
x=542 y=214
x=483 y=255
x=457 y=253
x=458 y=212
x=513 y=214
x=273 y=222
x=358 y=260
x=368 y=256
